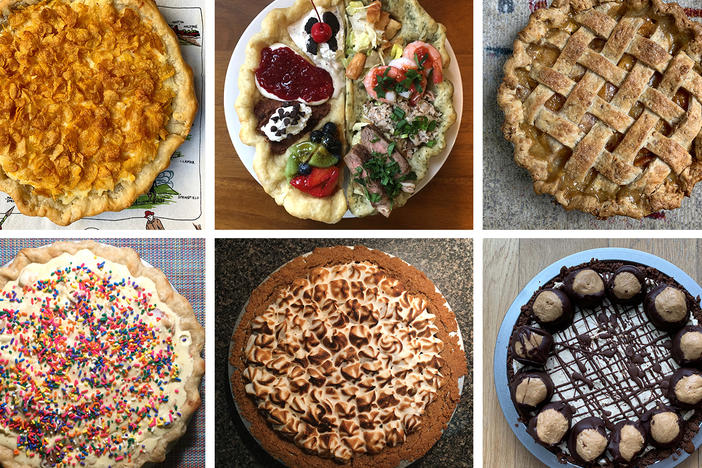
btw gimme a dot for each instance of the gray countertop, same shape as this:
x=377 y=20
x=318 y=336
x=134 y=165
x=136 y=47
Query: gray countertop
x=242 y=264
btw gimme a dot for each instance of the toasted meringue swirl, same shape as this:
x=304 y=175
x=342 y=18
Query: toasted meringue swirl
x=345 y=361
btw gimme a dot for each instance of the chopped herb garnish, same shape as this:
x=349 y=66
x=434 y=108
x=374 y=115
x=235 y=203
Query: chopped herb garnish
x=397 y=114
x=431 y=143
x=391 y=148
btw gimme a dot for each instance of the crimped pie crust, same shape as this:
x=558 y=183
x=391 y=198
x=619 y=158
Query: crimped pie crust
x=101 y=135
x=607 y=175
x=437 y=413
x=168 y=296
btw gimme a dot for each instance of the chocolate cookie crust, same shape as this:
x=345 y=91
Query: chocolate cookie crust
x=437 y=413
x=617 y=339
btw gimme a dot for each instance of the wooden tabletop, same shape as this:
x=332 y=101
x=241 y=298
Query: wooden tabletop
x=509 y=264
x=445 y=203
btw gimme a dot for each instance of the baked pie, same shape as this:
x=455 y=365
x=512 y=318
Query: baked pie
x=94 y=98
x=602 y=103
x=602 y=365
x=347 y=355
x=99 y=359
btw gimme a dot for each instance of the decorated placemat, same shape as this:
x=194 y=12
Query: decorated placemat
x=183 y=263
x=175 y=200
x=509 y=201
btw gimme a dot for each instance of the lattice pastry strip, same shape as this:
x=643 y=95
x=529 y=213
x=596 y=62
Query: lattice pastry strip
x=613 y=111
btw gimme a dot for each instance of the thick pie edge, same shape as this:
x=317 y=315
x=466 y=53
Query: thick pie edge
x=184 y=108
x=664 y=197
x=270 y=168
x=178 y=304
x=416 y=444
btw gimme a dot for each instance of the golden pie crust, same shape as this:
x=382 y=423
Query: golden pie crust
x=602 y=104
x=182 y=312
x=94 y=99
x=373 y=398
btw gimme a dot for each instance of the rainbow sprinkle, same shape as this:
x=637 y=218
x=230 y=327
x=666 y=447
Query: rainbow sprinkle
x=84 y=366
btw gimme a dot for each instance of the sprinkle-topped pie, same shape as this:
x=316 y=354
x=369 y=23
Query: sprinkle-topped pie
x=602 y=103
x=347 y=355
x=99 y=359
x=94 y=98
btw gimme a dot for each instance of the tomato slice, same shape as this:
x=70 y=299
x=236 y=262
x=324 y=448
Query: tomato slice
x=320 y=183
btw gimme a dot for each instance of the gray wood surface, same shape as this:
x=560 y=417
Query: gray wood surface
x=508 y=264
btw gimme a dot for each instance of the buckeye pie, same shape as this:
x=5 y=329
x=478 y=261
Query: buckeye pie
x=602 y=104
x=94 y=99
x=347 y=355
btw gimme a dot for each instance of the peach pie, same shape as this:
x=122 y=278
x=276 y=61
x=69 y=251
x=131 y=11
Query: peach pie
x=94 y=98
x=602 y=103
x=347 y=355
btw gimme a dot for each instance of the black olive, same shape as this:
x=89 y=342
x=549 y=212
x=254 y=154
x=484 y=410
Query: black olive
x=330 y=18
x=330 y=129
x=332 y=44
x=316 y=136
x=308 y=26
x=332 y=144
x=312 y=46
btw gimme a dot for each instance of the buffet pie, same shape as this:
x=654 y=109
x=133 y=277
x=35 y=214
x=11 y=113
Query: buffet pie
x=94 y=99
x=99 y=359
x=331 y=87
x=604 y=365
x=347 y=356
x=602 y=104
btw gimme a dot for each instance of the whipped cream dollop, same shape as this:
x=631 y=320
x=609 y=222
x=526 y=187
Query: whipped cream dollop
x=344 y=361
x=286 y=121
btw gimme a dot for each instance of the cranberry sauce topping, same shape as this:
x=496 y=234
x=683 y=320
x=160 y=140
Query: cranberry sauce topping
x=288 y=76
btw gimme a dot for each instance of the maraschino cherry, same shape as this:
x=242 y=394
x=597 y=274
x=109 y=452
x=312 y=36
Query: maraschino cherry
x=321 y=31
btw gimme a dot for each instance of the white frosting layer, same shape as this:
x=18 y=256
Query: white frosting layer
x=119 y=357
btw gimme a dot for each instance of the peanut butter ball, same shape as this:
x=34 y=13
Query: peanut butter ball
x=687 y=346
x=550 y=426
x=666 y=307
x=664 y=427
x=531 y=346
x=552 y=309
x=685 y=388
x=627 y=441
x=627 y=285
x=585 y=287
x=531 y=389
x=588 y=439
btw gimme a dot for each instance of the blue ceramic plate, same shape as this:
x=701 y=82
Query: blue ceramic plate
x=500 y=366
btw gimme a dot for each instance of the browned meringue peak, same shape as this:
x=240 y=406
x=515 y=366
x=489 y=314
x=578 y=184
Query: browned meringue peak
x=344 y=362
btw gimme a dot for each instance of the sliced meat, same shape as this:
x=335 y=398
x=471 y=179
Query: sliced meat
x=266 y=107
x=355 y=159
x=374 y=141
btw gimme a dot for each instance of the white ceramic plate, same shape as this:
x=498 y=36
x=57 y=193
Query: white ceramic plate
x=500 y=366
x=231 y=369
x=231 y=91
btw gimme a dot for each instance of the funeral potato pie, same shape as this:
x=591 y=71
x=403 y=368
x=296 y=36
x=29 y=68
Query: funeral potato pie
x=347 y=356
x=99 y=359
x=94 y=98
x=602 y=103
